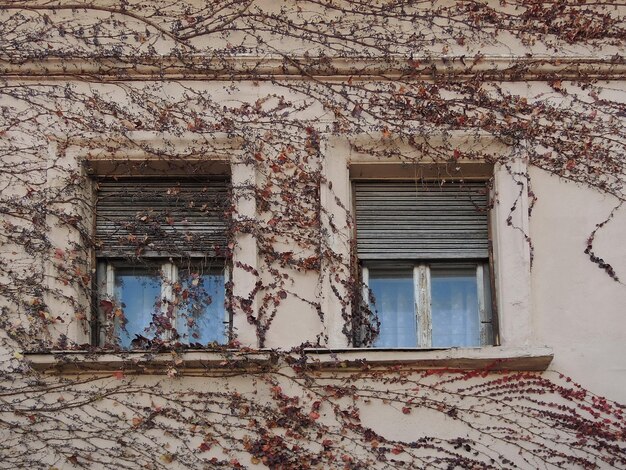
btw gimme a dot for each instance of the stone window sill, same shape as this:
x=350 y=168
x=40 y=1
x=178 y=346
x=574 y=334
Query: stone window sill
x=489 y=358
x=149 y=362
x=189 y=362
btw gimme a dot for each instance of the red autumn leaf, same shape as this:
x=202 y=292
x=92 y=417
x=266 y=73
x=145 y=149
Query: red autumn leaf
x=406 y=410
x=118 y=375
x=314 y=415
x=107 y=306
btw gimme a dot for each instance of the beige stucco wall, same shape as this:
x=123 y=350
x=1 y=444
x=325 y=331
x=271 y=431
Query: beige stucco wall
x=576 y=309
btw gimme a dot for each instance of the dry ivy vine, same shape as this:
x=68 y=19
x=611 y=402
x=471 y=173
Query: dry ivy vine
x=146 y=61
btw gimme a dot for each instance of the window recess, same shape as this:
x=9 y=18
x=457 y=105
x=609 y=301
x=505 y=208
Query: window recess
x=161 y=272
x=423 y=250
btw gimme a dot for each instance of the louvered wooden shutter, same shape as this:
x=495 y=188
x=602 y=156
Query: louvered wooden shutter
x=144 y=217
x=413 y=220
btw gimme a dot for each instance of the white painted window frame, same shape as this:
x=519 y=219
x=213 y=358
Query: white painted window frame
x=423 y=303
x=169 y=276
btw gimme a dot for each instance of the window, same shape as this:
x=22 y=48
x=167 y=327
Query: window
x=161 y=251
x=424 y=255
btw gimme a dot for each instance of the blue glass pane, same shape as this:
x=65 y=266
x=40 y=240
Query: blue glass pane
x=201 y=312
x=139 y=294
x=454 y=306
x=395 y=305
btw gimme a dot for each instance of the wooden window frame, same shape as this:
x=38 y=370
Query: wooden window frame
x=422 y=297
x=169 y=271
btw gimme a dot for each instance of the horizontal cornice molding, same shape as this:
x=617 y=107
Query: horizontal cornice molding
x=507 y=68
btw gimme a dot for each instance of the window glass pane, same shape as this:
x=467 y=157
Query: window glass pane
x=200 y=309
x=454 y=307
x=395 y=305
x=138 y=291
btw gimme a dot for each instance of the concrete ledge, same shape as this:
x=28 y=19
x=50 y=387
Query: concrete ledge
x=194 y=362
x=148 y=362
x=488 y=358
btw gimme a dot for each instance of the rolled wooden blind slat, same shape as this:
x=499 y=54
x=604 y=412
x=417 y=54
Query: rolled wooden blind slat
x=143 y=217
x=413 y=220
